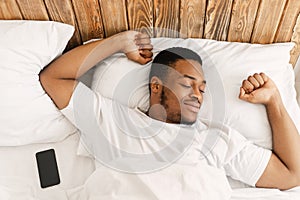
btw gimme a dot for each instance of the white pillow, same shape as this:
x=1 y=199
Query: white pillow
x=27 y=113
x=119 y=78
x=225 y=65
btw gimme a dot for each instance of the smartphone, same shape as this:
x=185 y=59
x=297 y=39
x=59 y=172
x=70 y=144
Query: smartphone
x=47 y=168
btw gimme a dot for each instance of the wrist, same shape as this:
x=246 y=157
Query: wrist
x=123 y=41
x=118 y=41
x=274 y=99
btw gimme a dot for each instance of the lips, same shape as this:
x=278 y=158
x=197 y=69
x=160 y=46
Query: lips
x=192 y=106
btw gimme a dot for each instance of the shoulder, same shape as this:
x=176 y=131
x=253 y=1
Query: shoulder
x=221 y=141
x=222 y=130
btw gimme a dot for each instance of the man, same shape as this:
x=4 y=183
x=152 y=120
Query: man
x=176 y=87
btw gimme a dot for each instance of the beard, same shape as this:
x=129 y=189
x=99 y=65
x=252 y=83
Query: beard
x=173 y=112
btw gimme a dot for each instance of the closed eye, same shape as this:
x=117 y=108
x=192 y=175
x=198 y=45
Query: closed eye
x=185 y=86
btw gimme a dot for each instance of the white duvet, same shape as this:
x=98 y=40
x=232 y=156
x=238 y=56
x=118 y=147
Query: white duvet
x=19 y=180
x=175 y=182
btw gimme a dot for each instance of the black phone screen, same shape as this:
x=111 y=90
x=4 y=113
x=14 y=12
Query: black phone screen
x=47 y=168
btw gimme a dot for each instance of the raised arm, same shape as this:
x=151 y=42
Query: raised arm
x=59 y=78
x=283 y=169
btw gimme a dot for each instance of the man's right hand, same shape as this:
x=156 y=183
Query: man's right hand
x=137 y=46
x=60 y=78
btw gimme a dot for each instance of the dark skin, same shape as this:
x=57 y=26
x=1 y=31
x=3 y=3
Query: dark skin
x=180 y=96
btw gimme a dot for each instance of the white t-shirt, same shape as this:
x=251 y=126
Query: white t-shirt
x=112 y=132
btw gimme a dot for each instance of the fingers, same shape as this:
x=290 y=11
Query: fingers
x=141 y=35
x=265 y=77
x=259 y=78
x=142 y=38
x=243 y=94
x=259 y=88
x=146 y=53
x=143 y=41
x=248 y=86
x=139 y=41
x=145 y=47
x=254 y=82
x=143 y=60
x=246 y=97
x=138 y=48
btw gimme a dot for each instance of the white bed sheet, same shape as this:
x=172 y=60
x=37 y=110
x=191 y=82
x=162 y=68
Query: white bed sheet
x=19 y=176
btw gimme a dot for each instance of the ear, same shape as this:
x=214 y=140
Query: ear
x=155 y=85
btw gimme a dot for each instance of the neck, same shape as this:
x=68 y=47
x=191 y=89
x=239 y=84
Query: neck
x=158 y=112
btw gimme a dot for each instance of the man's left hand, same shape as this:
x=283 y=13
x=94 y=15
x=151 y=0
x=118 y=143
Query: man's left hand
x=259 y=88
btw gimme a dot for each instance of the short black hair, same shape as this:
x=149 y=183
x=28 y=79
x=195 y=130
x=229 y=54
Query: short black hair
x=164 y=59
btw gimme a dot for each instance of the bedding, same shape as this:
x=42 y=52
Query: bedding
x=28 y=114
x=19 y=180
x=90 y=190
x=225 y=65
x=179 y=182
x=80 y=180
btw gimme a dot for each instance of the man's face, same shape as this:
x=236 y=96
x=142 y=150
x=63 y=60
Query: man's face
x=182 y=92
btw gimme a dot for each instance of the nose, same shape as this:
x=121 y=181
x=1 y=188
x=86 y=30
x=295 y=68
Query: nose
x=196 y=95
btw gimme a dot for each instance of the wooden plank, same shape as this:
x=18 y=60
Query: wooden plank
x=140 y=15
x=114 y=16
x=296 y=38
x=217 y=19
x=267 y=21
x=166 y=18
x=9 y=10
x=242 y=20
x=288 y=20
x=62 y=11
x=192 y=17
x=33 y=9
x=89 y=19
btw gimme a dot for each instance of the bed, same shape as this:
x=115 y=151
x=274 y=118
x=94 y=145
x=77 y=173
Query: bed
x=251 y=23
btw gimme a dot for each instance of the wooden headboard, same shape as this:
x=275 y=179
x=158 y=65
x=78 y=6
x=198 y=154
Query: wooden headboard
x=253 y=21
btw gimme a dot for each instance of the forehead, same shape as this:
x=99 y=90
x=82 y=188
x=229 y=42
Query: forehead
x=189 y=67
